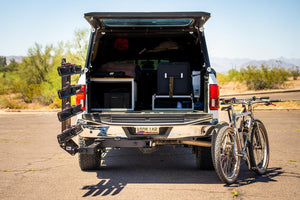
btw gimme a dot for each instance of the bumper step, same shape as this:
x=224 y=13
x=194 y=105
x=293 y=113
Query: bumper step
x=147 y=119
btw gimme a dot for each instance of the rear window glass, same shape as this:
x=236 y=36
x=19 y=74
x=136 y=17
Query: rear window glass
x=146 y=22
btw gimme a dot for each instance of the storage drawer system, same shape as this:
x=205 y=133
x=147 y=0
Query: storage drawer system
x=176 y=89
x=177 y=102
x=113 y=94
x=174 y=79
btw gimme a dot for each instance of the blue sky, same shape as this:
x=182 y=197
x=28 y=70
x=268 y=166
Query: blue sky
x=256 y=29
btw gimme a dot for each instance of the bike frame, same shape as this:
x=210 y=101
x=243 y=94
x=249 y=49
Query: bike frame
x=240 y=137
x=241 y=127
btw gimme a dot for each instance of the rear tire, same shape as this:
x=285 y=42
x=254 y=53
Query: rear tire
x=88 y=161
x=226 y=164
x=203 y=158
x=259 y=149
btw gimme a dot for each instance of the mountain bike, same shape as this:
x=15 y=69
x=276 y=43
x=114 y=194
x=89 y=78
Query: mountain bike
x=243 y=138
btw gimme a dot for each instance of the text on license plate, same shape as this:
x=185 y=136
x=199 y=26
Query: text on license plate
x=147 y=130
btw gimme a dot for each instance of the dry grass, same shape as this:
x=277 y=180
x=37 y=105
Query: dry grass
x=231 y=88
x=240 y=88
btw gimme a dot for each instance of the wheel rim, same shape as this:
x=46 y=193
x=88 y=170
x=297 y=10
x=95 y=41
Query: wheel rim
x=259 y=147
x=229 y=162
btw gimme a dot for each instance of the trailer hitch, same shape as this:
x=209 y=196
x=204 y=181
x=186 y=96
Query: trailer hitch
x=65 y=141
x=70 y=146
x=92 y=149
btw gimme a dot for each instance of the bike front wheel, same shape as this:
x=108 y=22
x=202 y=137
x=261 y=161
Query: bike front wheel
x=227 y=163
x=259 y=148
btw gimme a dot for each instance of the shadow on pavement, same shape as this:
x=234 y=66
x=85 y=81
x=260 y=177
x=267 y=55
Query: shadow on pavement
x=168 y=165
x=247 y=177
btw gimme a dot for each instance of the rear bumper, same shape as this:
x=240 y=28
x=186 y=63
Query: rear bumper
x=190 y=132
x=148 y=119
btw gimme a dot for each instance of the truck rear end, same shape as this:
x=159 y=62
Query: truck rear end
x=147 y=82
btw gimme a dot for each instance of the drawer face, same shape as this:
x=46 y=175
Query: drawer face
x=112 y=94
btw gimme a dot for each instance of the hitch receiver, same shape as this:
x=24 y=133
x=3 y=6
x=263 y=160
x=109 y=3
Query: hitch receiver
x=92 y=149
x=71 y=147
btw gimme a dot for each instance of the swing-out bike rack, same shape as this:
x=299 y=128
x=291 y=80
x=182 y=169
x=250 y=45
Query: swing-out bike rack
x=66 y=70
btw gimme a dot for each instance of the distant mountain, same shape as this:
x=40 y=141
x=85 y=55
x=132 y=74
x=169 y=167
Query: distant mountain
x=271 y=63
x=223 y=65
x=294 y=61
x=18 y=59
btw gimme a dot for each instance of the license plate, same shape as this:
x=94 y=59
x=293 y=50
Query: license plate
x=147 y=130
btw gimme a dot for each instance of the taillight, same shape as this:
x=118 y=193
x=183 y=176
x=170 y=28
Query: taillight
x=214 y=97
x=80 y=98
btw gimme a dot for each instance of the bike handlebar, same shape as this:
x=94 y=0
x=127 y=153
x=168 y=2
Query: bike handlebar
x=252 y=100
x=260 y=98
x=276 y=100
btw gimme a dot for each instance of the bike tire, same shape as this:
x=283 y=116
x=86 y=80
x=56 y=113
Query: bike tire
x=227 y=165
x=213 y=138
x=259 y=149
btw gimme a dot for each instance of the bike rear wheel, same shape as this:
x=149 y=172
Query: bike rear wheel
x=259 y=149
x=227 y=164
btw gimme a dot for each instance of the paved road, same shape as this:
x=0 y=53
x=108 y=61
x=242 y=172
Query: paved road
x=284 y=96
x=32 y=166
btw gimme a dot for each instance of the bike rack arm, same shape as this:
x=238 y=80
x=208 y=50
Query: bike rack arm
x=67 y=131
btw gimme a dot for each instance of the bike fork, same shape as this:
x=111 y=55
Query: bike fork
x=237 y=147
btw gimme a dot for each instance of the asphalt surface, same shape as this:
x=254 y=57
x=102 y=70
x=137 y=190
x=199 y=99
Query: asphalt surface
x=32 y=166
x=283 y=95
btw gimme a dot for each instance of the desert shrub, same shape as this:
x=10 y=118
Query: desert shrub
x=295 y=72
x=55 y=104
x=222 y=78
x=10 y=102
x=7 y=81
x=234 y=75
x=48 y=94
x=36 y=78
x=264 y=77
x=4 y=84
x=30 y=92
x=231 y=75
